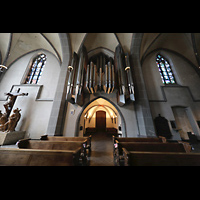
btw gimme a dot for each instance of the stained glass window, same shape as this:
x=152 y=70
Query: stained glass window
x=36 y=69
x=165 y=70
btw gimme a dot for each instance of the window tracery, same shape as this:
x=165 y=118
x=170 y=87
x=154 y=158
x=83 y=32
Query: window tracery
x=36 y=69
x=165 y=70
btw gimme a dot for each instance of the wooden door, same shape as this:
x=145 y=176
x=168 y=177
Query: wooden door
x=101 y=121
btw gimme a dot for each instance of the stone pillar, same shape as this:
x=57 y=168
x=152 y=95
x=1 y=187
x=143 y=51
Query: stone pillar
x=142 y=107
x=58 y=107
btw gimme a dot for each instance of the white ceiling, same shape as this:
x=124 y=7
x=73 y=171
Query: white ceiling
x=95 y=40
x=22 y=43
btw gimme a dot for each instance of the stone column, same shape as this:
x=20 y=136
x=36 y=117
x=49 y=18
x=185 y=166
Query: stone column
x=142 y=107
x=58 y=107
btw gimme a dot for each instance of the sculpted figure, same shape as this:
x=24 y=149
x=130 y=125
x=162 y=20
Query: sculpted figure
x=13 y=120
x=11 y=99
x=9 y=122
x=3 y=120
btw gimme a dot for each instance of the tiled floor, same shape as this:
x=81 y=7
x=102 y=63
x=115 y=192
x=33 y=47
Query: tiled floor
x=102 y=150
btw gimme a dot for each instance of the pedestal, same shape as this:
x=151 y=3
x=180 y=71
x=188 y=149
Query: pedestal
x=11 y=138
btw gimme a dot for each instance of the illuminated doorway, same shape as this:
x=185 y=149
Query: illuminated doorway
x=113 y=120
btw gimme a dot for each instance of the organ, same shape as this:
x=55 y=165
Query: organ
x=98 y=74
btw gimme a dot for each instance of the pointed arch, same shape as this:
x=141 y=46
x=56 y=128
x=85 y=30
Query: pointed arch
x=93 y=41
x=165 y=70
x=35 y=69
x=123 y=123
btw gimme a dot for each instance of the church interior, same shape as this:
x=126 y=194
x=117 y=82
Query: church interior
x=105 y=87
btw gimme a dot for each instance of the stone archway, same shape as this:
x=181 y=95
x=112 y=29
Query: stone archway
x=94 y=105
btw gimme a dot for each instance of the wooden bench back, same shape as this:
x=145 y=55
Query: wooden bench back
x=127 y=139
x=153 y=146
x=61 y=138
x=35 y=157
x=134 y=158
x=50 y=145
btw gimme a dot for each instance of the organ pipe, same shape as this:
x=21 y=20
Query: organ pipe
x=95 y=78
x=113 y=78
x=105 y=86
x=87 y=77
x=80 y=78
x=121 y=77
x=100 y=79
x=109 y=77
x=100 y=73
x=71 y=72
x=91 y=77
x=129 y=78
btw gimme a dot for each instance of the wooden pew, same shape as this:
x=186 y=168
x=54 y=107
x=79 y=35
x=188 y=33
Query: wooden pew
x=55 y=145
x=137 y=158
x=62 y=138
x=112 y=132
x=36 y=157
x=148 y=147
x=138 y=139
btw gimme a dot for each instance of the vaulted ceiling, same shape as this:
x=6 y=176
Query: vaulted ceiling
x=106 y=40
x=15 y=45
x=180 y=43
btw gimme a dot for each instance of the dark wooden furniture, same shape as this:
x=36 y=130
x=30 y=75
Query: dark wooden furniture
x=38 y=157
x=140 y=139
x=137 y=158
x=62 y=138
x=148 y=147
x=56 y=145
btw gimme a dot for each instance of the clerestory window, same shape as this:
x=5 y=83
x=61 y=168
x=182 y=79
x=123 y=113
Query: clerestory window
x=165 y=70
x=36 y=69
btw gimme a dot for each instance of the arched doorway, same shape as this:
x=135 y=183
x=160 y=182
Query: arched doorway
x=113 y=119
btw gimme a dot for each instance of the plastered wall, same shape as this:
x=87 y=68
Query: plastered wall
x=37 y=105
x=185 y=93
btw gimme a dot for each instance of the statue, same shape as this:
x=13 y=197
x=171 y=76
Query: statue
x=3 y=120
x=11 y=100
x=0 y=114
x=8 y=135
x=9 y=122
x=13 y=120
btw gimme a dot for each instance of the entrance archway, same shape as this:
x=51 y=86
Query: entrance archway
x=86 y=121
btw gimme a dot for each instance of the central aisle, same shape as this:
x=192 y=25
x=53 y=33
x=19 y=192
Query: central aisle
x=102 y=150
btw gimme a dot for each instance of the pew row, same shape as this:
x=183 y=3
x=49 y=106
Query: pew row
x=138 y=139
x=159 y=139
x=62 y=138
x=56 y=145
x=148 y=147
x=136 y=158
x=38 y=157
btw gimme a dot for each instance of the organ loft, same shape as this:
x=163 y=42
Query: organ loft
x=100 y=73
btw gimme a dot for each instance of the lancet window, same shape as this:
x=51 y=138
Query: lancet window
x=36 y=69
x=165 y=70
